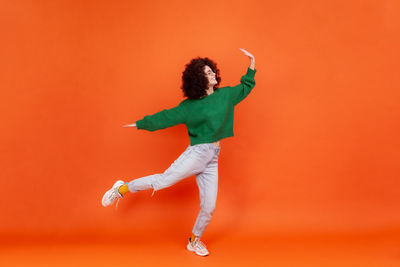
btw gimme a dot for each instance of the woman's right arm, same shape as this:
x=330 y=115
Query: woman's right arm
x=161 y=120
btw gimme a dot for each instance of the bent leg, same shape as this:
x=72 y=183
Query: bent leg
x=192 y=161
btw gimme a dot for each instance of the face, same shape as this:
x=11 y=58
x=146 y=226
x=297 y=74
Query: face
x=210 y=75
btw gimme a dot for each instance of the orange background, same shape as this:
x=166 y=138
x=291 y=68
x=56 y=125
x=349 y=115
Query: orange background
x=316 y=146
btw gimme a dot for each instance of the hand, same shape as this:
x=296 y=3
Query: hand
x=252 y=59
x=130 y=125
x=247 y=53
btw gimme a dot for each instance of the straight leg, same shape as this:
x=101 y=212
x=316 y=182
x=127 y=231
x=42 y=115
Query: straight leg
x=207 y=182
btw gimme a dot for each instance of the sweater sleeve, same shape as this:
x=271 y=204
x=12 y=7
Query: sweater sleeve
x=240 y=91
x=163 y=119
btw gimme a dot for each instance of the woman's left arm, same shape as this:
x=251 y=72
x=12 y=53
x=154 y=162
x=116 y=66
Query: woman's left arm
x=247 y=82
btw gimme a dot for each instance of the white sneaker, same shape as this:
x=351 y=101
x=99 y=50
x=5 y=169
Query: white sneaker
x=112 y=194
x=197 y=247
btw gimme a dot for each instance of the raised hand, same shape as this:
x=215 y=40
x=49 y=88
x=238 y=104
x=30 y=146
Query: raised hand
x=252 y=59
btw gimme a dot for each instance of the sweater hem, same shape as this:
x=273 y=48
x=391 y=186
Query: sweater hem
x=208 y=141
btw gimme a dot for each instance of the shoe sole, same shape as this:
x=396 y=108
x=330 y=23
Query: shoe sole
x=104 y=198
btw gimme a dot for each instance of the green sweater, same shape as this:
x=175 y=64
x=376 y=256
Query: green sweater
x=207 y=119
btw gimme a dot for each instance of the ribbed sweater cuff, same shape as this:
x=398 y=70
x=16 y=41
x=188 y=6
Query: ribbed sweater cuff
x=139 y=124
x=251 y=72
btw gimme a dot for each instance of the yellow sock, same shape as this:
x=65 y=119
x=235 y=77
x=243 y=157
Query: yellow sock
x=123 y=189
x=193 y=237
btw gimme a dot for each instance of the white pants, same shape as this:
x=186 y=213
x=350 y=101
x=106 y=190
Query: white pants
x=200 y=160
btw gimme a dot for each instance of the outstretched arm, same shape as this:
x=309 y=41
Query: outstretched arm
x=161 y=120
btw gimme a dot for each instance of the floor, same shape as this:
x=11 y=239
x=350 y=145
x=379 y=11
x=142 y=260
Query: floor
x=276 y=251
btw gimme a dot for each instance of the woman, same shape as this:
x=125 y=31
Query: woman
x=208 y=115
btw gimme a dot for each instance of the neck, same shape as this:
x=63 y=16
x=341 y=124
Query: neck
x=210 y=90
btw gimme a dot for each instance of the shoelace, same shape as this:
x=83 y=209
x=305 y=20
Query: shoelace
x=116 y=206
x=197 y=243
x=117 y=196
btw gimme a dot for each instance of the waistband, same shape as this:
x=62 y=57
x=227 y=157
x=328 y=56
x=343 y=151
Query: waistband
x=212 y=145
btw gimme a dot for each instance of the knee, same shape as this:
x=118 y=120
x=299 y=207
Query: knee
x=208 y=209
x=166 y=179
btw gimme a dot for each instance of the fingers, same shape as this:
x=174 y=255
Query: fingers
x=246 y=53
x=129 y=125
